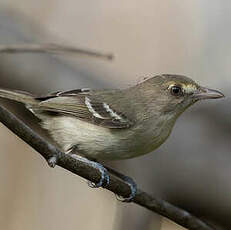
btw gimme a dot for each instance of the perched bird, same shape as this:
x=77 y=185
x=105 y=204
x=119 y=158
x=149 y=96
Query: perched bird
x=114 y=124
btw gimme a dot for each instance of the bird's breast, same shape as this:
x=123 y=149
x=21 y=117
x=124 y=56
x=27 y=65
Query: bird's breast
x=102 y=143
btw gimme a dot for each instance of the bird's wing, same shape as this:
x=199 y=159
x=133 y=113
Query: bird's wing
x=85 y=106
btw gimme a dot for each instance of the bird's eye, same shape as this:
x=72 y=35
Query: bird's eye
x=176 y=90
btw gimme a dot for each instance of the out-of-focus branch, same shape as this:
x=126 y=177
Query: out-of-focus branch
x=52 y=48
x=117 y=186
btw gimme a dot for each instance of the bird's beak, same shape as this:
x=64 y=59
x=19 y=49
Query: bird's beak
x=205 y=93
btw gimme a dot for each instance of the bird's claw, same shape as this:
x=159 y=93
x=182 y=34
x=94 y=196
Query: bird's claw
x=104 y=180
x=131 y=183
x=52 y=161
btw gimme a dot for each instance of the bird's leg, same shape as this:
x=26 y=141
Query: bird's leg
x=104 y=180
x=127 y=180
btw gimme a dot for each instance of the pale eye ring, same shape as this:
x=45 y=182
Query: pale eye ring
x=176 y=90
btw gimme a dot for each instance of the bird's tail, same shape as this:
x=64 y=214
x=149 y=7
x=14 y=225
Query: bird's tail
x=19 y=96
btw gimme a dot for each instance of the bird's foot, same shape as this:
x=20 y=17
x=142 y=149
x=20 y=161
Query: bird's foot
x=130 y=182
x=104 y=180
x=52 y=161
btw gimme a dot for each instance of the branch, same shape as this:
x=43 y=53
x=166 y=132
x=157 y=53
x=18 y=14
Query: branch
x=117 y=186
x=51 y=48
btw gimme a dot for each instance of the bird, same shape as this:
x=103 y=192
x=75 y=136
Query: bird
x=114 y=124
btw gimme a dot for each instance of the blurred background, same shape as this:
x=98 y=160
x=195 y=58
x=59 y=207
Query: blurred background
x=191 y=170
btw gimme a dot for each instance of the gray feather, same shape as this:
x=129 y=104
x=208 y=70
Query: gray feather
x=19 y=96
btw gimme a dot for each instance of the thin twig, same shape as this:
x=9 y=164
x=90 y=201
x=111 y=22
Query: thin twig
x=51 y=48
x=117 y=186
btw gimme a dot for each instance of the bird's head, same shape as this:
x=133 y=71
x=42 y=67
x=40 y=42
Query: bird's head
x=172 y=94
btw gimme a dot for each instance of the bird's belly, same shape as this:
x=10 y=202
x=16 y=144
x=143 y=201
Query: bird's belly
x=96 y=142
